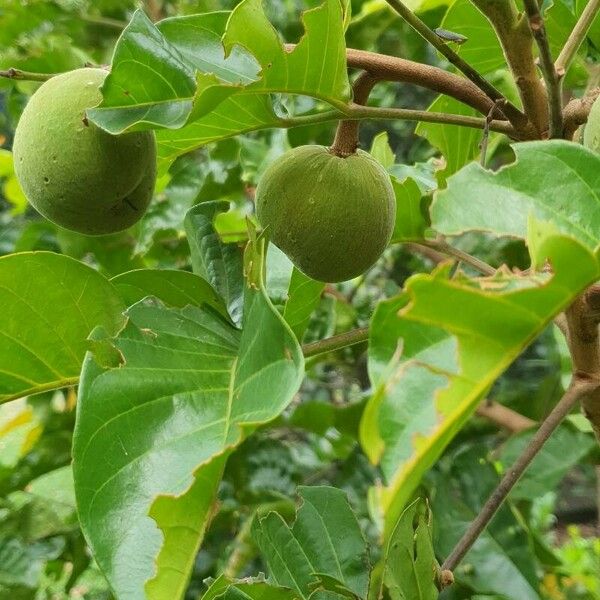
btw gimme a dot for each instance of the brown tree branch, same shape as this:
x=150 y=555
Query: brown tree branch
x=504 y=416
x=576 y=113
x=580 y=387
x=551 y=77
x=391 y=68
x=583 y=317
x=512 y=29
x=514 y=115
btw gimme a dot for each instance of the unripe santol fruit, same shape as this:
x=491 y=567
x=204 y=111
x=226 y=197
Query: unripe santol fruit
x=73 y=172
x=591 y=133
x=333 y=216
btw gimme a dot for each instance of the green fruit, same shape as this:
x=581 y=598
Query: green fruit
x=332 y=216
x=591 y=133
x=74 y=173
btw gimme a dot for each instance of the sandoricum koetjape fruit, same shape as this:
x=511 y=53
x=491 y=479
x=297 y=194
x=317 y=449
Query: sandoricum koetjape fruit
x=333 y=216
x=74 y=173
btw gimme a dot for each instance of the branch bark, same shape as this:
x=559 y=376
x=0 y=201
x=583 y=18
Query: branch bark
x=551 y=77
x=515 y=116
x=515 y=36
x=391 y=68
x=504 y=416
x=579 y=388
x=576 y=113
x=583 y=317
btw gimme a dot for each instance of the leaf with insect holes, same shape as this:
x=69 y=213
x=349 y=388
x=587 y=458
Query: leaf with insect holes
x=554 y=181
x=324 y=547
x=436 y=349
x=153 y=433
x=207 y=77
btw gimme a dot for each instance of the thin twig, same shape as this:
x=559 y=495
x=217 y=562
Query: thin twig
x=375 y=112
x=504 y=417
x=336 y=342
x=104 y=21
x=479 y=265
x=579 y=387
x=577 y=36
x=354 y=111
x=21 y=75
x=552 y=79
x=514 y=115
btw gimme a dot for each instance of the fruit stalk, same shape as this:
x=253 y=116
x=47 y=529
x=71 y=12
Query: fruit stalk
x=346 y=136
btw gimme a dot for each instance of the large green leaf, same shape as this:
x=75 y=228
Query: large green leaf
x=49 y=304
x=437 y=348
x=214 y=73
x=152 y=434
x=324 y=542
x=554 y=181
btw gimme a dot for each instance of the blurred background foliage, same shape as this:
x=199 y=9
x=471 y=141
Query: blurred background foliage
x=549 y=529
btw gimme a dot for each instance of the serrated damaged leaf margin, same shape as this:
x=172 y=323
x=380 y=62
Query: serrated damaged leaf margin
x=426 y=309
x=145 y=538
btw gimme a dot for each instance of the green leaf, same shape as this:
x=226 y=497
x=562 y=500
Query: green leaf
x=501 y=559
x=553 y=181
x=173 y=288
x=213 y=260
x=225 y=67
x=458 y=145
x=49 y=304
x=149 y=83
x=482 y=49
x=152 y=435
x=411 y=221
x=304 y=295
x=410 y=567
x=325 y=540
x=381 y=151
x=436 y=349
x=551 y=463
